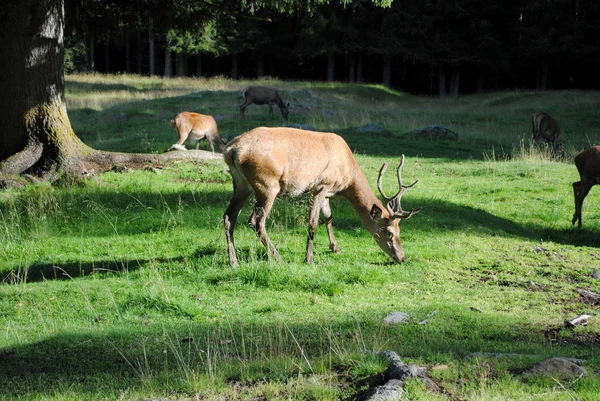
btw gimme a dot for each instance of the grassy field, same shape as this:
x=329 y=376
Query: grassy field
x=120 y=289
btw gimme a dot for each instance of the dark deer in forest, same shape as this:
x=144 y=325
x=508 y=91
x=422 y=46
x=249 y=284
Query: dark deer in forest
x=196 y=127
x=588 y=166
x=274 y=162
x=546 y=128
x=262 y=95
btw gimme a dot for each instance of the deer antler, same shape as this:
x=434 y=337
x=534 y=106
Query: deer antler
x=393 y=203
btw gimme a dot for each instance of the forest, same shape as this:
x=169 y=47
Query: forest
x=425 y=47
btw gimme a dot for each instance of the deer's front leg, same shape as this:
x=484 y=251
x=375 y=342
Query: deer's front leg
x=328 y=220
x=271 y=115
x=317 y=200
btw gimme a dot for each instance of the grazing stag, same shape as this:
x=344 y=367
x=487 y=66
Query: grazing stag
x=275 y=162
x=262 y=95
x=196 y=127
x=546 y=128
x=588 y=166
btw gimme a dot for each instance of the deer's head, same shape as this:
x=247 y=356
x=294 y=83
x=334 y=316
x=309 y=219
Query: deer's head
x=387 y=230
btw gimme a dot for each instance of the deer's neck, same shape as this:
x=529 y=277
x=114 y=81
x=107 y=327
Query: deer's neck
x=279 y=102
x=362 y=198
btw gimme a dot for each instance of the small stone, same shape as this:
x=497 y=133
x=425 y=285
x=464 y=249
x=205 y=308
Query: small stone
x=396 y=317
x=596 y=274
x=374 y=128
x=556 y=367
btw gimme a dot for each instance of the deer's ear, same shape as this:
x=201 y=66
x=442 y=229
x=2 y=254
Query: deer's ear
x=375 y=213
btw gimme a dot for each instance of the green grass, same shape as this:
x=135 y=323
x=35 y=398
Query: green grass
x=120 y=288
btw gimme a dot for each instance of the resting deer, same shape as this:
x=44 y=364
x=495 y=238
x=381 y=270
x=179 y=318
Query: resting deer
x=275 y=162
x=547 y=128
x=262 y=95
x=196 y=127
x=588 y=166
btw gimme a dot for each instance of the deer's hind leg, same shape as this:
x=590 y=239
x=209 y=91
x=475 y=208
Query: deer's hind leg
x=243 y=108
x=241 y=192
x=580 y=191
x=265 y=196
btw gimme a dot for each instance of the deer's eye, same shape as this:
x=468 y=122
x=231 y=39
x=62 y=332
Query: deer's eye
x=390 y=235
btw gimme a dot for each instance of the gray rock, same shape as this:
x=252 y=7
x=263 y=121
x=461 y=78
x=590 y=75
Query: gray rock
x=560 y=367
x=596 y=274
x=437 y=132
x=374 y=128
x=398 y=370
x=390 y=391
x=301 y=126
x=396 y=317
x=302 y=93
x=219 y=117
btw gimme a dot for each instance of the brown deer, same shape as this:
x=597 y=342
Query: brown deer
x=546 y=128
x=196 y=127
x=588 y=166
x=274 y=162
x=262 y=95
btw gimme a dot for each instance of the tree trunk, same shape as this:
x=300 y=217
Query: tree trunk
x=442 y=81
x=480 y=81
x=351 y=67
x=127 y=52
x=180 y=64
x=138 y=53
x=168 y=62
x=35 y=131
x=34 y=128
x=260 y=66
x=234 y=66
x=92 y=52
x=330 y=65
x=387 y=70
x=107 y=55
x=454 y=81
x=199 y=65
x=152 y=53
x=359 y=67
x=544 y=78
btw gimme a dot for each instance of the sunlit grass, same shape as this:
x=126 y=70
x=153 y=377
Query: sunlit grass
x=120 y=288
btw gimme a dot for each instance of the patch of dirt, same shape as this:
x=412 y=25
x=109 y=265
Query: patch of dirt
x=556 y=335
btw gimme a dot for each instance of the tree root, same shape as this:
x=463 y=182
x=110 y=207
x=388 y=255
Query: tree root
x=101 y=161
x=77 y=167
x=22 y=161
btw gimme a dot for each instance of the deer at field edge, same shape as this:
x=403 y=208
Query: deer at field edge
x=588 y=166
x=546 y=128
x=274 y=162
x=261 y=95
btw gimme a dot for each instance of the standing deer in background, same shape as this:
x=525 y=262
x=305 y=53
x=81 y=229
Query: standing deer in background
x=274 y=162
x=196 y=127
x=262 y=95
x=588 y=166
x=547 y=128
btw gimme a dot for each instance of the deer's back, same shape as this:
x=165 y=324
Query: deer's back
x=189 y=121
x=295 y=160
x=588 y=163
x=260 y=94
